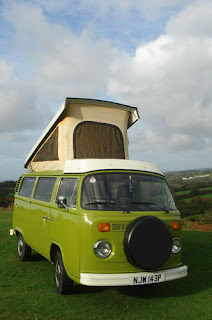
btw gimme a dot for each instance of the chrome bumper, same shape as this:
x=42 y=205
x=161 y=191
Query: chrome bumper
x=123 y=279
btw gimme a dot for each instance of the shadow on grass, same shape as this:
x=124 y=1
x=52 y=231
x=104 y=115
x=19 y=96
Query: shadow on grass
x=81 y=289
x=37 y=257
x=176 y=288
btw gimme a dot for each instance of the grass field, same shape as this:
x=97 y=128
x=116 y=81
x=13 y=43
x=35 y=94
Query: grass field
x=27 y=288
x=204 y=196
x=187 y=192
x=206 y=189
x=207 y=196
x=180 y=193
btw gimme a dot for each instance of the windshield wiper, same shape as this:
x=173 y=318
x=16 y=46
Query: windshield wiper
x=95 y=202
x=150 y=204
x=106 y=203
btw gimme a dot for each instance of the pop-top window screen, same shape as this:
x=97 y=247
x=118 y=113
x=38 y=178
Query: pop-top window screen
x=98 y=140
x=49 y=150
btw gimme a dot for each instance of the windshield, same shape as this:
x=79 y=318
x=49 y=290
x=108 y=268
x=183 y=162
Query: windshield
x=126 y=191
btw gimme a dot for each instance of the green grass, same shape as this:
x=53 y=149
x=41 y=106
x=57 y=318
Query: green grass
x=207 y=196
x=206 y=189
x=181 y=193
x=27 y=288
x=204 y=196
x=187 y=192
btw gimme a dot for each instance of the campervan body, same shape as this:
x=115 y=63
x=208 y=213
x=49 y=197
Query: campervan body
x=100 y=218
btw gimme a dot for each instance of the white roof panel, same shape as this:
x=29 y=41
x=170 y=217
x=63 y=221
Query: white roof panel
x=88 y=165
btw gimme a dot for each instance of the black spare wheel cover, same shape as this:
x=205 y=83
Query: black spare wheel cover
x=147 y=242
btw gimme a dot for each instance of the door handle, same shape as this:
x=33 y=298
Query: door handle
x=45 y=217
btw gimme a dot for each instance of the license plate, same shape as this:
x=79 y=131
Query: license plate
x=147 y=279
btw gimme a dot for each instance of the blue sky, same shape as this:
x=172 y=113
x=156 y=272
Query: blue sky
x=155 y=55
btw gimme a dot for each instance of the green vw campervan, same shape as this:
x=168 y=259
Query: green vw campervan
x=102 y=219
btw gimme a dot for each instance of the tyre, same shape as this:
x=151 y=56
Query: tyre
x=147 y=243
x=23 y=250
x=63 y=284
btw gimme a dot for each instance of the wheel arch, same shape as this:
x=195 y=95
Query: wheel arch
x=18 y=231
x=54 y=248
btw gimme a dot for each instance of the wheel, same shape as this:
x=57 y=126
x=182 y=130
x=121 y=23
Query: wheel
x=63 y=283
x=23 y=250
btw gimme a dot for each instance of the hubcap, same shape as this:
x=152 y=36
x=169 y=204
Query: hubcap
x=57 y=274
x=20 y=247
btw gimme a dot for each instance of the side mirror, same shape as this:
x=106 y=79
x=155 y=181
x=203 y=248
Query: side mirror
x=61 y=202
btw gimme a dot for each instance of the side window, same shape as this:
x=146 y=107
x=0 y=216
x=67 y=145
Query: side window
x=44 y=189
x=27 y=186
x=68 y=189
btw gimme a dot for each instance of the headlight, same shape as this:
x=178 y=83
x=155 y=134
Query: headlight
x=176 y=245
x=102 y=248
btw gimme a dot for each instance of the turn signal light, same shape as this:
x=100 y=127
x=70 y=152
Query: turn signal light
x=175 y=225
x=104 y=227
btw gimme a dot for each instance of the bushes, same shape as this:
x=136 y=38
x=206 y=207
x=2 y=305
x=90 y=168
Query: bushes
x=6 y=201
x=197 y=206
x=198 y=222
x=202 y=219
x=6 y=193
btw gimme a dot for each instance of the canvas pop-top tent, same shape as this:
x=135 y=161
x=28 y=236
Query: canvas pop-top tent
x=83 y=129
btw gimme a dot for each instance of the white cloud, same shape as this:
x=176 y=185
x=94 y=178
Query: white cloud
x=194 y=20
x=169 y=79
x=6 y=71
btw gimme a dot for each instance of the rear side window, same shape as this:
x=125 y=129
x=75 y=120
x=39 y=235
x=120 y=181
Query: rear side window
x=68 y=189
x=44 y=189
x=27 y=186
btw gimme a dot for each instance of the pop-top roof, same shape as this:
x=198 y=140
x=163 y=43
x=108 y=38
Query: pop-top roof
x=80 y=110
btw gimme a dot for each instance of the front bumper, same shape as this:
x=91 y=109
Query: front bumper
x=123 y=279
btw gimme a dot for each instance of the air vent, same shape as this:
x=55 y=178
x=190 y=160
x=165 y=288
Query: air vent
x=17 y=184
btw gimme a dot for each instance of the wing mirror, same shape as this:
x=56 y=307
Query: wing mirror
x=61 y=202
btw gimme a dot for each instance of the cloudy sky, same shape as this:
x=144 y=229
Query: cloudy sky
x=155 y=55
